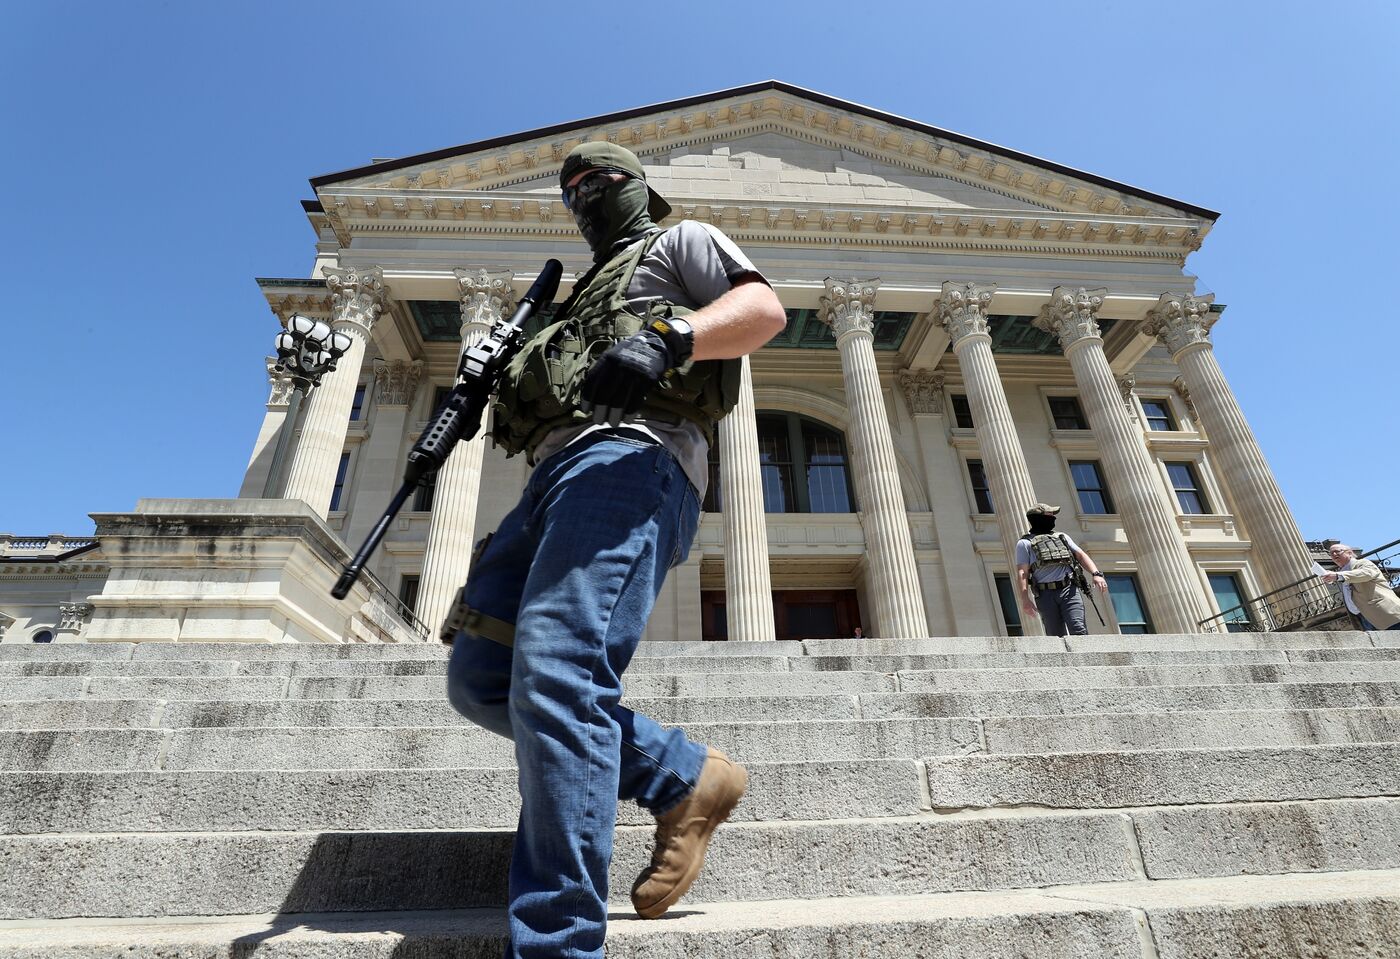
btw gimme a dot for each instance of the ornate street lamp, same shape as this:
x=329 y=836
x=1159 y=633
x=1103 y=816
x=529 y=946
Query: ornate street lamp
x=307 y=349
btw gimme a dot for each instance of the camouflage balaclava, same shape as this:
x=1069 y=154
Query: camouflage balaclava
x=624 y=209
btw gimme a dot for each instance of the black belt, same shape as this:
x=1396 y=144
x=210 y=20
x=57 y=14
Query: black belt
x=1057 y=584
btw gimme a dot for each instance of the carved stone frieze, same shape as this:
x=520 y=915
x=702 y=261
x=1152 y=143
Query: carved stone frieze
x=72 y=616
x=1180 y=321
x=962 y=308
x=923 y=389
x=486 y=296
x=280 y=381
x=395 y=382
x=1072 y=315
x=357 y=296
x=849 y=306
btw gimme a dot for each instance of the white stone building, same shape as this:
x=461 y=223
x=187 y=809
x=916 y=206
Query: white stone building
x=971 y=330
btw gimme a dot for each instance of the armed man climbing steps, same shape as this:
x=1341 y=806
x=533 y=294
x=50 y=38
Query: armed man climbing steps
x=615 y=404
x=1047 y=564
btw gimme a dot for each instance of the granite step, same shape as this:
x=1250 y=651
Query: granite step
x=1223 y=918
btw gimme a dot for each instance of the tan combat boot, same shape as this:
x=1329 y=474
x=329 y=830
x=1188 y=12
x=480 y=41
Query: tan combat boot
x=683 y=833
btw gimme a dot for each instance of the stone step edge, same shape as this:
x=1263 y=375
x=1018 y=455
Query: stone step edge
x=1134 y=900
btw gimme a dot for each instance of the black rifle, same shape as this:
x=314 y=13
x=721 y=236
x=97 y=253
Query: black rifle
x=1083 y=584
x=477 y=376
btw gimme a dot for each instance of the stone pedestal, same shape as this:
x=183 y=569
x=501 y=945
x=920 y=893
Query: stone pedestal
x=748 y=585
x=1169 y=581
x=893 y=575
x=237 y=570
x=357 y=298
x=963 y=310
x=1278 y=553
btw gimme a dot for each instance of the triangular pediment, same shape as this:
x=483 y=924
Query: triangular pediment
x=775 y=144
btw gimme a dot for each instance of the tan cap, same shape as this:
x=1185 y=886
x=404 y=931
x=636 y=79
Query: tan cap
x=1042 y=509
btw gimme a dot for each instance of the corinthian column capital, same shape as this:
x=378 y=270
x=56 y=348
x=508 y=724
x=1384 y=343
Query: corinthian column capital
x=1072 y=315
x=486 y=296
x=849 y=307
x=357 y=296
x=280 y=381
x=1180 y=321
x=923 y=389
x=962 y=308
x=395 y=382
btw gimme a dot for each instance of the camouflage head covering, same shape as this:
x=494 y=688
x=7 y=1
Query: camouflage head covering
x=610 y=156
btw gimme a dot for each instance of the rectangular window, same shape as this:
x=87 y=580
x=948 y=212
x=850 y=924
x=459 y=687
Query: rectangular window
x=408 y=591
x=358 y=406
x=1010 y=609
x=981 y=494
x=1228 y=597
x=775 y=465
x=1127 y=603
x=962 y=412
x=423 y=496
x=1088 y=482
x=340 y=472
x=1188 y=488
x=1159 y=415
x=1065 y=411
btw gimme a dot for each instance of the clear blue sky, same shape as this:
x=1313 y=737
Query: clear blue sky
x=155 y=153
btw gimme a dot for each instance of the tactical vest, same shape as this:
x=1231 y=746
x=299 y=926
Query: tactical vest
x=539 y=388
x=1049 y=549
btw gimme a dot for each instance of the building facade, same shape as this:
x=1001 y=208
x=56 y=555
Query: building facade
x=970 y=331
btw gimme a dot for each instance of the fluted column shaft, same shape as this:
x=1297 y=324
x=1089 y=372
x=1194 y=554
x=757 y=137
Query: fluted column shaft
x=1170 y=583
x=963 y=309
x=1280 y=556
x=748 y=585
x=357 y=298
x=893 y=580
x=485 y=297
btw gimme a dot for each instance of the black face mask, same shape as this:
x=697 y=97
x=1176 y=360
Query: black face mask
x=613 y=213
x=1042 y=524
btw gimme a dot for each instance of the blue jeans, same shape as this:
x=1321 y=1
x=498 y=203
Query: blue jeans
x=576 y=567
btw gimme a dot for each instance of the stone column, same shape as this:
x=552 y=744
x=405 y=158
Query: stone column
x=381 y=466
x=962 y=307
x=1182 y=323
x=969 y=609
x=893 y=581
x=485 y=297
x=357 y=299
x=1169 y=580
x=748 y=585
x=260 y=465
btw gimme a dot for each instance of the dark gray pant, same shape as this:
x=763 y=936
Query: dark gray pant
x=1061 y=609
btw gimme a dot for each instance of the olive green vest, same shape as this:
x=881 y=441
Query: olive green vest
x=539 y=388
x=1048 y=549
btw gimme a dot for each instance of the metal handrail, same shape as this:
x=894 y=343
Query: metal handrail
x=1300 y=603
x=398 y=605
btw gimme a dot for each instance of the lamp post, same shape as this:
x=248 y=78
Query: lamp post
x=306 y=350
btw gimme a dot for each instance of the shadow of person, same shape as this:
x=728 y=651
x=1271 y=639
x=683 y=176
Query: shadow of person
x=438 y=894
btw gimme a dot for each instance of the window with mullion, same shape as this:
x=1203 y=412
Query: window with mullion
x=828 y=486
x=981 y=492
x=1189 y=495
x=1128 y=606
x=1159 y=415
x=1065 y=411
x=1010 y=609
x=338 y=491
x=1089 y=484
x=1226 y=589
x=802 y=464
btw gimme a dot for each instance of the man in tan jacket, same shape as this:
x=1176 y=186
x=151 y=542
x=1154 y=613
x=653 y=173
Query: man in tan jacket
x=1365 y=589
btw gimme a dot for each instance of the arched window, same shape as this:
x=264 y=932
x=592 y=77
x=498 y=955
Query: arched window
x=43 y=636
x=803 y=465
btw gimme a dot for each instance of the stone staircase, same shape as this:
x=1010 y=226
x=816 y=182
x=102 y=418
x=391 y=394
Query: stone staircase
x=1152 y=797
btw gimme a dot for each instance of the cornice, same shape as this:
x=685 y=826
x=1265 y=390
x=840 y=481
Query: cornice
x=368 y=212
x=760 y=108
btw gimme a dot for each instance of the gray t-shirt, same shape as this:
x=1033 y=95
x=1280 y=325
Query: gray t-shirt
x=692 y=265
x=1051 y=572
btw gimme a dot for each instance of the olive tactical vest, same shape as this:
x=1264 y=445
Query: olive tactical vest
x=539 y=388
x=1049 y=549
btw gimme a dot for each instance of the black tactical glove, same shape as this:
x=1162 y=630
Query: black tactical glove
x=617 y=383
